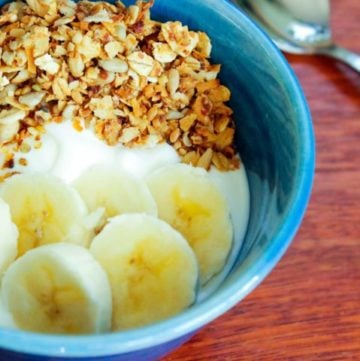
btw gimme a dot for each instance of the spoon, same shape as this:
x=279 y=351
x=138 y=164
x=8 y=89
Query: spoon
x=300 y=27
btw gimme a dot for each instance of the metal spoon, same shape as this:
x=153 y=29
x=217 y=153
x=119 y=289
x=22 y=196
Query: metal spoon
x=299 y=26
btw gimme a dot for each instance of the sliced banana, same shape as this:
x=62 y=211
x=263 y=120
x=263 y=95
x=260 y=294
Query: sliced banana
x=6 y=320
x=190 y=202
x=105 y=186
x=45 y=210
x=151 y=268
x=58 y=288
x=8 y=237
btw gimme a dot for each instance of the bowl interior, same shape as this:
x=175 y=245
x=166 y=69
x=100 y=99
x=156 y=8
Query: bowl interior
x=274 y=132
x=275 y=140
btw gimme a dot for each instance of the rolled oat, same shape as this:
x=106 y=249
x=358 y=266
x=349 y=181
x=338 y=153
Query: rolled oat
x=113 y=69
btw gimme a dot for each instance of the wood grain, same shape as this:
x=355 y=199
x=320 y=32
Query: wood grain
x=308 y=309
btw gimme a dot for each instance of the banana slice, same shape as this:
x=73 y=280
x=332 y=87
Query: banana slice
x=190 y=201
x=45 y=210
x=8 y=237
x=6 y=320
x=104 y=186
x=151 y=268
x=58 y=288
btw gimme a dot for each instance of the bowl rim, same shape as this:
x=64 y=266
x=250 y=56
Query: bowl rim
x=198 y=316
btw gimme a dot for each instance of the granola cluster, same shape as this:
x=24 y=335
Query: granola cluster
x=133 y=80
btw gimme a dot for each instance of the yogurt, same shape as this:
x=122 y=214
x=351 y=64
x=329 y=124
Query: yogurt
x=66 y=153
x=235 y=188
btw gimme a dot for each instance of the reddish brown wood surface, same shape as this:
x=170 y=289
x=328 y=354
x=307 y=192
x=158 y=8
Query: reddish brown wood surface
x=308 y=309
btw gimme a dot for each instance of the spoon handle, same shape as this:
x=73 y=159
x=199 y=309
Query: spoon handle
x=348 y=57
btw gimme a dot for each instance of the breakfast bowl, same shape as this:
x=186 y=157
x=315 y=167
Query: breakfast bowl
x=275 y=140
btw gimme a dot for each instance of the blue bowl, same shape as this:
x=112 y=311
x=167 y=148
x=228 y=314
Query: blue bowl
x=276 y=142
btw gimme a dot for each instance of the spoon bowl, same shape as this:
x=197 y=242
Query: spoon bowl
x=299 y=27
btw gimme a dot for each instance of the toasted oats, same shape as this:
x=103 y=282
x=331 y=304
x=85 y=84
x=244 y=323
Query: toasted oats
x=8 y=57
x=3 y=81
x=113 y=48
x=11 y=116
x=186 y=140
x=133 y=13
x=103 y=108
x=111 y=131
x=32 y=99
x=174 y=82
x=219 y=94
x=9 y=123
x=67 y=9
x=202 y=108
x=163 y=53
x=174 y=135
x=114 y=65
x=141 y=63
x=225 y=138
x=64 y=21
x=180 y=39
x=221 y=161
x=76 y=65
x=77 y=96
x=118 y=30
x=133 y=80
x=44 y=8
x=88 y=47
x=177 y=145
x=187 y=122
x=129 y=134
x=174 y=114
x=107 y=77
x=69 y=112
x=10 y=90
x=59 y=51
x=205 y=159
x=7 y=18
x=205 y=86
x=221 y=124
x=39 y=39
x=60 y=88
x=8 y=131
x=191 y=158
x=77 y=124
x=100 y=17
x=47 y=63
x=204 y=45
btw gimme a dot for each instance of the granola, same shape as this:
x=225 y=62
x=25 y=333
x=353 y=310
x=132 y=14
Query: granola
x=114 y=70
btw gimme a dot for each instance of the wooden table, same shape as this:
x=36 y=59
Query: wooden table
x=308 y=309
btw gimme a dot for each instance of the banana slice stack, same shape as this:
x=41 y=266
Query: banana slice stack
x=109 y=252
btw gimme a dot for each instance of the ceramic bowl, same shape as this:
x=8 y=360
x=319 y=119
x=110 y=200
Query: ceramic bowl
x=276 y=143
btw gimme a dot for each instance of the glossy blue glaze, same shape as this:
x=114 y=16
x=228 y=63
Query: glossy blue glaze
x=275 y=139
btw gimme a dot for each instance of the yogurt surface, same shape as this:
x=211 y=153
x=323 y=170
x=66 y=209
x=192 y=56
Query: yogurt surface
x=66 y=153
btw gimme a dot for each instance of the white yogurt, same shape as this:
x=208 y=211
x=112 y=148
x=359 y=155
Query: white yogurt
x=66 y=153
x=234 y=186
